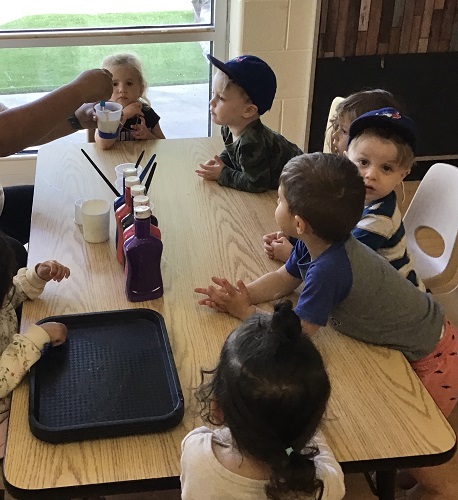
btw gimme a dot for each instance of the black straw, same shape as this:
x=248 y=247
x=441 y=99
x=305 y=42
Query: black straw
x=109 y=184
x=150 y=177
x=139 y=159
x=148 y=165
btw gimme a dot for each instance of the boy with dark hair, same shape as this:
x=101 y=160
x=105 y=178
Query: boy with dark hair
x=320 y=199
x=243 y=89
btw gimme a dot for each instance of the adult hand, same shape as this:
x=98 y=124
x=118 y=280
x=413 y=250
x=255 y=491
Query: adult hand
x=227 y=298
x=211 y=169
x=57 y=332
x=52 y=270
x=94 y=85
x=86 y=115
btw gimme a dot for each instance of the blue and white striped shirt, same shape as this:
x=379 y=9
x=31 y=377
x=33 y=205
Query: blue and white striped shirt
x=381 y=228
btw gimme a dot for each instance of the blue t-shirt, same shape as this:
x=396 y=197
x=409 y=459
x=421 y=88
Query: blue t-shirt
x=327 y=281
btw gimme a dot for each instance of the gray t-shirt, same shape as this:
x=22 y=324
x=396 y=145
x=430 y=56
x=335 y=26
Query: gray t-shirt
x=364 y=297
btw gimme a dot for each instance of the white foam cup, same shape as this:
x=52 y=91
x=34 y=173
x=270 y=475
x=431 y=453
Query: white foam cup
x=95 y=215
x=78 y=217
x=108 y=119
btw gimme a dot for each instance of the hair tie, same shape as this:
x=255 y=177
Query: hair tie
x=289 y=451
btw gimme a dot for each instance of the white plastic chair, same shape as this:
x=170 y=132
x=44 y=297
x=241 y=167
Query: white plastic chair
x=328 y=132
x=435 y=206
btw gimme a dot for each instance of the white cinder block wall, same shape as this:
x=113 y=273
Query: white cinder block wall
x=284 y=34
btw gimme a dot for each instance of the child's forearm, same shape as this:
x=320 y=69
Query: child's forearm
x=272 y=286
x=19 y=356
x=29 y=283
x=104 y=143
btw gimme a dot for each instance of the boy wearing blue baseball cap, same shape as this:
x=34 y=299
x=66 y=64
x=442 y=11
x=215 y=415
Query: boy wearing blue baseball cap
x=244 y=89
x=382 y=144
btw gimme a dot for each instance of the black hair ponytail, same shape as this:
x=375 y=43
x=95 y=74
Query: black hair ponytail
x=295 y=472
x=285 y=322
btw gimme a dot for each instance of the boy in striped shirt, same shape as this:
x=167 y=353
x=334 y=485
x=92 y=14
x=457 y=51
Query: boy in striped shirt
x=382 y=145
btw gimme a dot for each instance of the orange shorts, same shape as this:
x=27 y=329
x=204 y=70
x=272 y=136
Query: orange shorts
x=439 y=370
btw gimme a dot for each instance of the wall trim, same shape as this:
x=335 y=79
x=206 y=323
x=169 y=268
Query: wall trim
x=18 y=169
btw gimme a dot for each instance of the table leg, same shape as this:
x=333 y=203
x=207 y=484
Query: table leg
x=385 y=484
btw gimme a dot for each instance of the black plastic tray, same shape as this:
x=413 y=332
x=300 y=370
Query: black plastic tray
x=114 y=376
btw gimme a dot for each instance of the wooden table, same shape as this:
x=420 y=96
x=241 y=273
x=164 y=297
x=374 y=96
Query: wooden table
x=380 y=416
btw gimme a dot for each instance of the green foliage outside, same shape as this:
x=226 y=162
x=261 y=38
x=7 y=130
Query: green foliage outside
x=42 y=69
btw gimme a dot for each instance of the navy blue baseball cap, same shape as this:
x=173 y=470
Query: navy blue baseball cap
x=389 y=119
x=255 y=77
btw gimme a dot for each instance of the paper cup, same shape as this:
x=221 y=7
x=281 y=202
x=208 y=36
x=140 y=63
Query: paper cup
x=119 y=169
x=118 y=184
x=78 y=217
x=108 y=119
x=95 y=215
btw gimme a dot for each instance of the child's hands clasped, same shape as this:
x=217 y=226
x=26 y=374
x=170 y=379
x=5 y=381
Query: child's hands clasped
x=211 y=169
x=57 y=332
x=277 y=246
x=227 y=298
x=52 y=270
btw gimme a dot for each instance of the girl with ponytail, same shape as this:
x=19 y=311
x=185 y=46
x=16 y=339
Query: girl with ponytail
x=267 y=397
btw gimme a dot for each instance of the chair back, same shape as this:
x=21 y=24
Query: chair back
x=435 y=205
x=327 y=146
x=90 y=135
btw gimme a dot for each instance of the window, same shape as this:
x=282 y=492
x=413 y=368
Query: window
x=48 y=44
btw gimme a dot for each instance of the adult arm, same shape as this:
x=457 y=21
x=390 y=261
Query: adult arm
x=85 y=116
x=29 y=124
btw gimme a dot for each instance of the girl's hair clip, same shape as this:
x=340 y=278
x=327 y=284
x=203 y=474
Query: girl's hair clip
x=289 y=451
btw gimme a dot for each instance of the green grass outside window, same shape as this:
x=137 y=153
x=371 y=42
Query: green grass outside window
x=42 y=69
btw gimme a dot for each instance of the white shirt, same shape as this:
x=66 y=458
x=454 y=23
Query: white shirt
x=203 y=477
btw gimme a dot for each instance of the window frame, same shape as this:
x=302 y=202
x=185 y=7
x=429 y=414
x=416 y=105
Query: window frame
x=215 y=33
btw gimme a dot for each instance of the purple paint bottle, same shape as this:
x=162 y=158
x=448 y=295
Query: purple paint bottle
x=143 y=260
